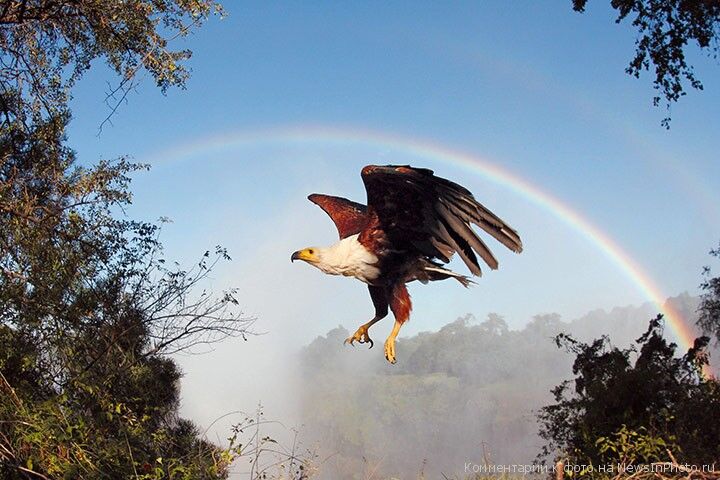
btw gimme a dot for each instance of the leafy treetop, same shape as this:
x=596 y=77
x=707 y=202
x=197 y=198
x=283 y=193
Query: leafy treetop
x=665 y=28
x=47 y=45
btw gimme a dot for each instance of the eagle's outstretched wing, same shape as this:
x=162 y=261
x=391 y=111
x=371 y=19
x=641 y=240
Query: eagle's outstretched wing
x=349 y=217
x=418 y=210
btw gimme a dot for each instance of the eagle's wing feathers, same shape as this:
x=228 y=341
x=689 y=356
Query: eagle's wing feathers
x=349 y=217
x=432 y=214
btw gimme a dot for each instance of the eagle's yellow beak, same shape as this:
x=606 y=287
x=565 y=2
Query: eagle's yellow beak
x=306 y=254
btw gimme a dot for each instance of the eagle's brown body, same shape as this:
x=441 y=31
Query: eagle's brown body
x=413 y=223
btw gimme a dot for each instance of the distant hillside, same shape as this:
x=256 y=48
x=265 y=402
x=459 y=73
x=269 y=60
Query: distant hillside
x=462 y=394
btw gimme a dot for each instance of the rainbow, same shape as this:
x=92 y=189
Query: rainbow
x=424 y=149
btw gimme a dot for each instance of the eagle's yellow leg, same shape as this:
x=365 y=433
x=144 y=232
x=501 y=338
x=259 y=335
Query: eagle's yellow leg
x=361 y=334
x=390 y=342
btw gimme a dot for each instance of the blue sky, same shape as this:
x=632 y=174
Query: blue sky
x=534 y=88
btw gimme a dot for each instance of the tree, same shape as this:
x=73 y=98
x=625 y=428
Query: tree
x=617 y=410
x=709 y=310
x=89 y=308
x=665 y=28
x=47 y=45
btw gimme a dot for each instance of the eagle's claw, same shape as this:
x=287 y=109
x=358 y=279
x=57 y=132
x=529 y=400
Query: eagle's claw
x=360 y=336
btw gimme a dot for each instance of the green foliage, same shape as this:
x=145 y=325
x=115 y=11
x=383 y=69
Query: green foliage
x=709 y=318
x=47 y=45
x=617 y=407
x=634 y=447
x=665 y=28
x=89 y=308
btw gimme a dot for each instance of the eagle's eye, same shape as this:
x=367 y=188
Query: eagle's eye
x=311 y=251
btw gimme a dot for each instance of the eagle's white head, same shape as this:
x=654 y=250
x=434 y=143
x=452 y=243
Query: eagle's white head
x=348 y=257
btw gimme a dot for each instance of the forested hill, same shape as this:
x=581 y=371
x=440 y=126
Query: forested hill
x=466 y=393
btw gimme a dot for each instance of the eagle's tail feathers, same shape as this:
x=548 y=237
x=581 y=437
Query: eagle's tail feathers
x=439 y=273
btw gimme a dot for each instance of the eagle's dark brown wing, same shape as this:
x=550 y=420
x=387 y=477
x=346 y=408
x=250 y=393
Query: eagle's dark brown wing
x=432 y=215
x=349 y=217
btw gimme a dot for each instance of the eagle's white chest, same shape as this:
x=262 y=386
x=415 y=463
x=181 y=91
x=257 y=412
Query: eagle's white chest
x=350 y=258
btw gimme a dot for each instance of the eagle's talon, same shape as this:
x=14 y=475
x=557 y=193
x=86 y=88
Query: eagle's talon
x=360 y=336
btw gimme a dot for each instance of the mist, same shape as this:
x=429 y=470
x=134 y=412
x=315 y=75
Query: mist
x=465 y=393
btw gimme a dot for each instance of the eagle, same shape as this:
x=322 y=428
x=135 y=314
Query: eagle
x=413 y=223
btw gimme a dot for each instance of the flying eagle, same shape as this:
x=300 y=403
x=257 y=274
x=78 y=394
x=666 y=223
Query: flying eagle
x=413 y=224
